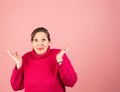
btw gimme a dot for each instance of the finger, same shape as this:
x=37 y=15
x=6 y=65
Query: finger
x=16 y=53
x=12 y=55
x=61 y=53
x=9 y=53
x=67 y=48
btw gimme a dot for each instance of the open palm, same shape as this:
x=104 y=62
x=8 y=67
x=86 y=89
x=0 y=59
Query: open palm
x=16 y=57
x=61 y=53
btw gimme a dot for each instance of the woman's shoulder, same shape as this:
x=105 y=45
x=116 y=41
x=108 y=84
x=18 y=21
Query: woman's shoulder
x=26 y=54
x=54 y=50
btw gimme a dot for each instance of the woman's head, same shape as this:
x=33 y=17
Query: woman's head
x=40 y=29
x=40 y=39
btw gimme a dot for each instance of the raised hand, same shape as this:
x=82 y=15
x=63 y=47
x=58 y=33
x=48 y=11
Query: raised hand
x=61 y=53
x=17 y=58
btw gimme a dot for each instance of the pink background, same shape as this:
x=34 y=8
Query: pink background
x=92 y=27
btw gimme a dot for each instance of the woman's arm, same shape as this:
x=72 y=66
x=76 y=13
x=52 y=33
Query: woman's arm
x=17 y=79
x=67 y=72
x=17 y=74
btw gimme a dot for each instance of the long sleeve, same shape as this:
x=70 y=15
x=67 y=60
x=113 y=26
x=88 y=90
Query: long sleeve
x=67 y=73
x=17 y=79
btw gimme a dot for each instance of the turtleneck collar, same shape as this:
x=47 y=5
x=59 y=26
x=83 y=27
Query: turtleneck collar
x=36 y=56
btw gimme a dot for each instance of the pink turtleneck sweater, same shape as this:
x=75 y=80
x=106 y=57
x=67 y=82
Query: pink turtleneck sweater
x=43 y=73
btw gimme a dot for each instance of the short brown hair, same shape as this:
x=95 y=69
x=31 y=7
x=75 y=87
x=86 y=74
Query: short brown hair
x=40 y=29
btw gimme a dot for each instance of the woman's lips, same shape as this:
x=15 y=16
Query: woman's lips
x=40 y=48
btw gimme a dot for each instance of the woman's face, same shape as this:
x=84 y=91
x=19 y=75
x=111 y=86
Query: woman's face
x=40 y=43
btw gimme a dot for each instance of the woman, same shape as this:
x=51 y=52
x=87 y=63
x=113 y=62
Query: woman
x=42 y=69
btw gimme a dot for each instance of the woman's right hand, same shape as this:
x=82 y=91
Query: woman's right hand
x=16 y=57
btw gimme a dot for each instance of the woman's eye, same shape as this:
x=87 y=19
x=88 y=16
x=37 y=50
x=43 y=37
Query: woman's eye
x=43 y=39
x=36 y=40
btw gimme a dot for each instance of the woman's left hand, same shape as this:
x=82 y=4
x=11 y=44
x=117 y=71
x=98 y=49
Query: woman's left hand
x=61 y=53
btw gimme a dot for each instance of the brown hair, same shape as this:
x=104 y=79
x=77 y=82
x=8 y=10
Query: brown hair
x=40 y=29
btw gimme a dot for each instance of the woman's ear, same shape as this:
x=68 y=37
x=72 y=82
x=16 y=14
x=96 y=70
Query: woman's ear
x=50 y=43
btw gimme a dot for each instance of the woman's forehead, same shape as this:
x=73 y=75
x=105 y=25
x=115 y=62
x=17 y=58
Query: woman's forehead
x=40 y=34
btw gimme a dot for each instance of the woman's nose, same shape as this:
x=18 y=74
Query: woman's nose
x=40 y=43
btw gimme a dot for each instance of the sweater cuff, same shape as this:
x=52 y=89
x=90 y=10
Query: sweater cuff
x=15 y=68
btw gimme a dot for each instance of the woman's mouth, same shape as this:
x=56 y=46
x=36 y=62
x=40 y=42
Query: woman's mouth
x=40 y=48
